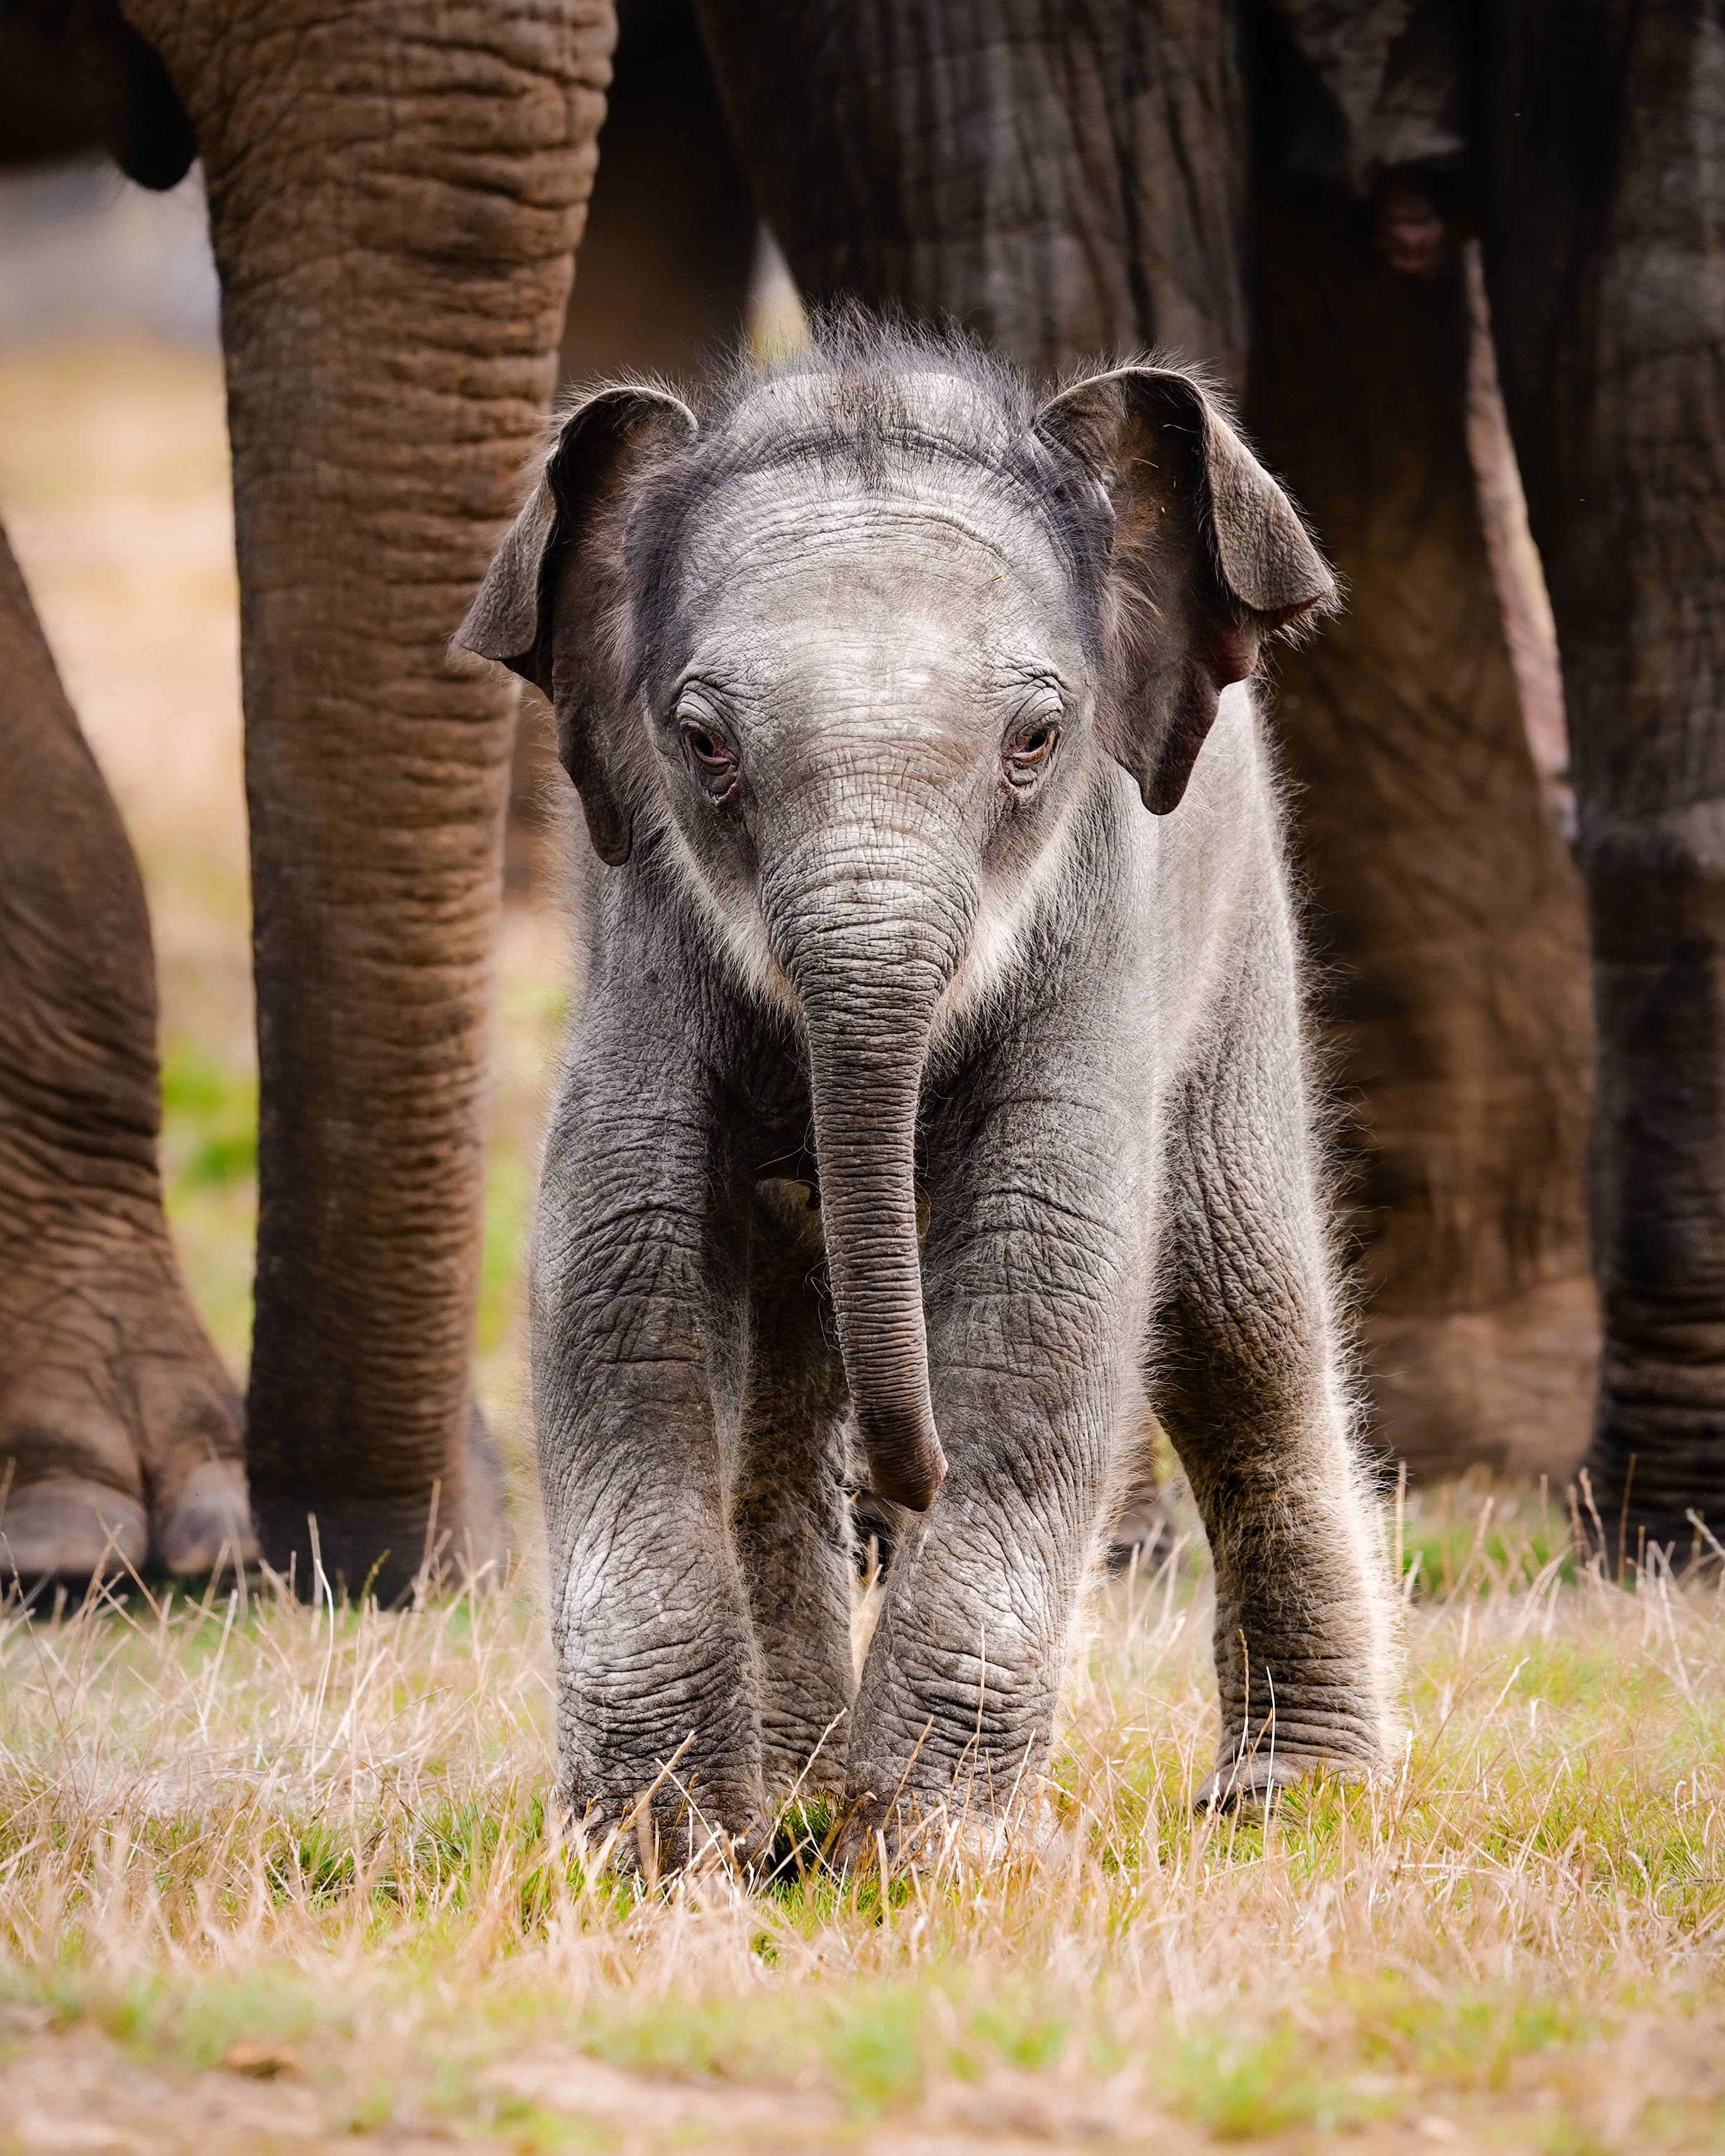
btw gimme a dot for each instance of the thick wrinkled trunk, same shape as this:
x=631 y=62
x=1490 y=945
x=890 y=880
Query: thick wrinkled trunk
x=1605 y=172
x=394 y=192
x=863 y=927
x=1074 y=181
x=1444 y=890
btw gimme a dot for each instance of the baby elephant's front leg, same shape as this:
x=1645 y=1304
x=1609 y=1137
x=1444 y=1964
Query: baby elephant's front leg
x=1028 y=1336
x=657 y=1685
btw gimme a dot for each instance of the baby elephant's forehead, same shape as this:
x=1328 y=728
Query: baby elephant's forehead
x=934 y=531
x=885 y=415
x=895 y=585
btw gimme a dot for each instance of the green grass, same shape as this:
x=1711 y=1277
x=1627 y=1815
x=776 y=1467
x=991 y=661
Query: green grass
x=209 y=1116
x=318 y=1844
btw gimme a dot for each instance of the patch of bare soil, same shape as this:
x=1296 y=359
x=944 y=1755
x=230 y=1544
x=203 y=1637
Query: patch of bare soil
x=66 y=2090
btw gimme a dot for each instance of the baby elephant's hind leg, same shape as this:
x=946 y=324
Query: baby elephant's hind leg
x=1250 y=1385
x=789 y=1506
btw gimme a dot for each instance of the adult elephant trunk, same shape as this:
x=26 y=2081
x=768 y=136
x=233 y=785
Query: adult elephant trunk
x=396 y=188
x=871 y=955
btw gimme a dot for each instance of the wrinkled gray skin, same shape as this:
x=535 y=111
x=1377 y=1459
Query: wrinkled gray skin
x=868 y=676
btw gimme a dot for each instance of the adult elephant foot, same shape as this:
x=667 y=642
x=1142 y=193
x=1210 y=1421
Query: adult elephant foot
x=120 y=1430
x=120 y=1438
x=1518 y=1377
x=394 y=1545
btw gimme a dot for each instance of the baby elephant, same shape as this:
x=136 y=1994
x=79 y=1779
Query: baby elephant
x=937 y=1081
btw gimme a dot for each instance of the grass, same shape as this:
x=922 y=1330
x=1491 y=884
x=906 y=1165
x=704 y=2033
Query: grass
x=313 y=1843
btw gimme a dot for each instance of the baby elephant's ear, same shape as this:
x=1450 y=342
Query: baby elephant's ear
x=1208 y=557
x=546 y=608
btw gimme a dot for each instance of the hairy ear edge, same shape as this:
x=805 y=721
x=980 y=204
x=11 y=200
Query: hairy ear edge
x=539 y=610
x=1150 y=435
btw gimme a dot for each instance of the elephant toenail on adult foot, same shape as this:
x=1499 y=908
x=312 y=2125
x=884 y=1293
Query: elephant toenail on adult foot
x=208 y=1527
x=120 y=1429
x=68 y=1527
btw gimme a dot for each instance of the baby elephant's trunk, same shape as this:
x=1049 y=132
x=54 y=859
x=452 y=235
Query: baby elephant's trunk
x=870 y=954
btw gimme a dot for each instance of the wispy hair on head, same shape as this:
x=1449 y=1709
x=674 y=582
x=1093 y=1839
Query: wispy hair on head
x=869 y=400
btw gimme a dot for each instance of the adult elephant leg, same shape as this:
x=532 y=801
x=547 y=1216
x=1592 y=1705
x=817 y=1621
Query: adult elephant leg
x=1604 y=164
x=1065 y=180
x=395 y=194
x=1441 y=884
x=118 y=1428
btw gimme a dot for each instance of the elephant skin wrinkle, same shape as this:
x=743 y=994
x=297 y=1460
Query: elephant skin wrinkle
x=120 y=1429
x=937 y=1093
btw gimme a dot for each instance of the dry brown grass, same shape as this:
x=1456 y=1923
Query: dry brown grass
x=312 y=1841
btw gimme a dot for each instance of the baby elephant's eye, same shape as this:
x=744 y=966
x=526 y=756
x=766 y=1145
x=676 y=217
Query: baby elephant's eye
x=707 y=747
x=711 y=760
x=1028 y=756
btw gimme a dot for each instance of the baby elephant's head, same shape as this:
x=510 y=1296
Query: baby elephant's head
x=851 y=645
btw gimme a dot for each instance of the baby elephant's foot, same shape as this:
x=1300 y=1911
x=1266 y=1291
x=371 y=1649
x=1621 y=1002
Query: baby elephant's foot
x=1246 y=1785
x=933 y=1830
x=870 y=1831
x=680 y=1821
x=658 y=1839
x=120 y=1431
